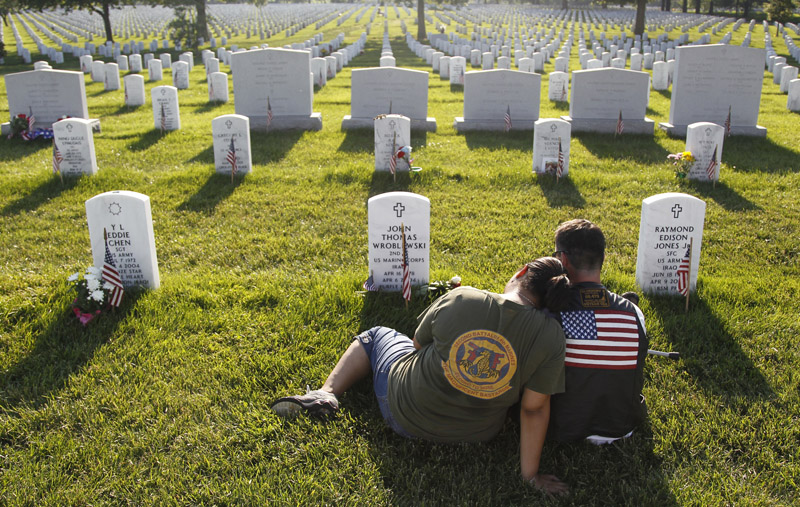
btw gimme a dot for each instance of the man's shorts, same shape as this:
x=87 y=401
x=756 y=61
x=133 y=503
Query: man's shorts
x=384 y=346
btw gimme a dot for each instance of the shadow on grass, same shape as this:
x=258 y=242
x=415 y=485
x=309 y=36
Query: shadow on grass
x=519 y=140
x=457 y=88
x=49 y=189
x=60 y=350
x=758 y=154
x=123 y=109
x=22 y=149
x=357 y=141
x=561 y=193
x=148 y=139
x=709 y=353
x=383 y=181
x=210 y=106
x=216 y=188
x=205 y=156
x=272 y=146
x=560 y=106
x=642 y=148
x=723 y=195
x=667 y=94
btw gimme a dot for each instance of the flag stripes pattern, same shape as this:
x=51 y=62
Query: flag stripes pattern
x=602 y=339
x=230 y=156
x=163 y=119
x=711 y=170
x=406 y=269
x=111 y=275
x=683 y=273
x=57 y=158
x=31 y=119
x=560 y=167
x=507 y=118
x=728 y=122
x=269 y=113
x=620 y=125
x=369 y=284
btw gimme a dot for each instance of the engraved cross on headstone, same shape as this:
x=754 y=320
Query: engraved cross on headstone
x=399 y=208
x=676 y=210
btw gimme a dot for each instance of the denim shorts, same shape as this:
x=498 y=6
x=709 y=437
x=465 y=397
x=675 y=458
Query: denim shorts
x=384 y=346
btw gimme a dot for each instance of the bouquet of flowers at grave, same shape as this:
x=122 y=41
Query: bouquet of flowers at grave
x=92 y=294
x=404 y=154
x=21 y=126
x=439 y=288
x=682 y=162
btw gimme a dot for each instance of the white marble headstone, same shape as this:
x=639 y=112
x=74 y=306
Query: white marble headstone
x=709 y=81
x=166 y=114
x=98 y=71
x=218 y=87
x=122 y=222
x=668 y=221
x=154 y=70
x=180 y=75
x=705 y=141
x=547 y=133
x=392 y=132
x=389 y=214
x=74 y=140
x=236 y=128
x=374 y=90
x=135 y=62
x=558 y=86
x=134 y=90
x=458 y=68
x=490 y=94
x=49 y=94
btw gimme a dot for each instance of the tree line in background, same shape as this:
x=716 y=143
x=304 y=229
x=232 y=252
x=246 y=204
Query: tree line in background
x=190 y=22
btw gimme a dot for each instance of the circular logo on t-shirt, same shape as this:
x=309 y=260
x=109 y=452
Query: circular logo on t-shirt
x=481 y=364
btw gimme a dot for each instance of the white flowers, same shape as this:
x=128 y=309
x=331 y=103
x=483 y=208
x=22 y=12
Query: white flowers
x=98 y=295
x=107 y=286
x=93 y=271
x=455 y=281
x=73 y=277
x=92 y=283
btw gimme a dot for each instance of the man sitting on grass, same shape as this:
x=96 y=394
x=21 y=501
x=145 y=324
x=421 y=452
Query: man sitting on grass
x=474 y=355
x=606 y=346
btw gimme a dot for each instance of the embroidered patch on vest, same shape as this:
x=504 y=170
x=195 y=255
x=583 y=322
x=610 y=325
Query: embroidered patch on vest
x=594 y=298
x=481 y=364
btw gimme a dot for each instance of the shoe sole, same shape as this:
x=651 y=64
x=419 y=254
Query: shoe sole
x=289 y=407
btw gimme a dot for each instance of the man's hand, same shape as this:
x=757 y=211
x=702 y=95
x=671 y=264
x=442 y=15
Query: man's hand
x=550 y=484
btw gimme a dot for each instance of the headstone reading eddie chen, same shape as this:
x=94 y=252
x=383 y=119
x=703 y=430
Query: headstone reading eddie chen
x=123 y=222
x=389 y=215
x=392 y=132
x=74 y=140
x=668 y=223
x=232 y=144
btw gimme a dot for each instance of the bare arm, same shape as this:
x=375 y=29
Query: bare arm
x=534 y=416
x=416 y=343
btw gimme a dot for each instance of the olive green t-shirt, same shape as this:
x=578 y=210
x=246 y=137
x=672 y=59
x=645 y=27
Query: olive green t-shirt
x=479 y=350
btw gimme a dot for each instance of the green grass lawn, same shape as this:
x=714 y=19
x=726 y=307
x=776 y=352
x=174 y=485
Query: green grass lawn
x=166 y=401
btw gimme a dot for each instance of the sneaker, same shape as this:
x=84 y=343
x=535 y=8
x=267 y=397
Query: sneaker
x=317 y=403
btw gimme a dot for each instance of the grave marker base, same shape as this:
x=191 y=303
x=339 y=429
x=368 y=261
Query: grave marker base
x=462 y=125
x=680 y=130
x=348 y=122
x=602 y=126
x=289 y=122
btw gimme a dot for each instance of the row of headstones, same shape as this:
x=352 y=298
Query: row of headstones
x=120 y=223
